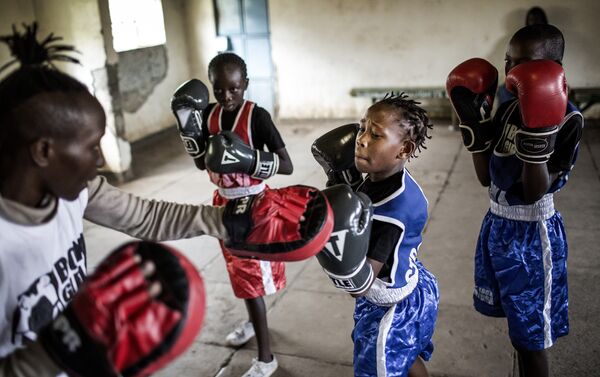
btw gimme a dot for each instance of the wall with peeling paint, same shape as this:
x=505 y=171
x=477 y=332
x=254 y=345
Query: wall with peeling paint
x=148 y=77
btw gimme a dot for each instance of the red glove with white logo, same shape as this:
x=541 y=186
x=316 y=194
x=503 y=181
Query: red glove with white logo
x=115 y=327
x=541 y=88
x=471 y=86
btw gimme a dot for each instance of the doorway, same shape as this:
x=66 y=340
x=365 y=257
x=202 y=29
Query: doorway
x=245 y=24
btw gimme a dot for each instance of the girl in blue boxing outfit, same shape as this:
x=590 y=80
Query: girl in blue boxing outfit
x=395 y=318
x=521 y=254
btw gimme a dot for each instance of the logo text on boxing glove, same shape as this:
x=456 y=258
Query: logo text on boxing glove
x=335 y=246
x=345 y=284
x=228 y=158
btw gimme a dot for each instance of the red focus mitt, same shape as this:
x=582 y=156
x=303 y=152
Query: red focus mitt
x=115 y=326
x=287 y=224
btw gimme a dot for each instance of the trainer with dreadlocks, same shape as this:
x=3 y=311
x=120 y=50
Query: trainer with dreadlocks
x=396 y=297
x=144 y=304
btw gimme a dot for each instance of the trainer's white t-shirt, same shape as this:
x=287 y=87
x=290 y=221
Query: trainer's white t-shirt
x=41 y=268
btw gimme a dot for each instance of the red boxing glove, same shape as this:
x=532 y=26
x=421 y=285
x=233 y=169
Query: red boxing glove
x=471 y=87
x=287 y=224
x=114 y=327
x=541 y=88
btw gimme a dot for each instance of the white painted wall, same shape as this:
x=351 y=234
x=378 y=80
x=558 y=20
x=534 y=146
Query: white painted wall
x=324 y=48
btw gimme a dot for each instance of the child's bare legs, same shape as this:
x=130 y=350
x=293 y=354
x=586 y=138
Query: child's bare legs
x=533 y=363
x=418 y=369
x=258 y=316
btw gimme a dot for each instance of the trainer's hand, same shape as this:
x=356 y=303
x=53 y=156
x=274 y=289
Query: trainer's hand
x=141 y=308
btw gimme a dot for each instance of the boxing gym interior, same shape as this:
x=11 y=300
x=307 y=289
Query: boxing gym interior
x=315 y=65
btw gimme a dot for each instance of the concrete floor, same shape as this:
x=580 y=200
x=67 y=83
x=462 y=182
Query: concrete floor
x=310 y=322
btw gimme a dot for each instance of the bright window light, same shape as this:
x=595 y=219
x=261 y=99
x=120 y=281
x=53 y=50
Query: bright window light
x=136 y=24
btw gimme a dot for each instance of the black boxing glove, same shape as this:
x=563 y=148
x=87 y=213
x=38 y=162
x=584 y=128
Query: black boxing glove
x=226 y=153
x=187 y=104
x=334 y=151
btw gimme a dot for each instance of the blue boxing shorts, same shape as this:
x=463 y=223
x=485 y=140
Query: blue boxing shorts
x=388 y=339
x=521 y=272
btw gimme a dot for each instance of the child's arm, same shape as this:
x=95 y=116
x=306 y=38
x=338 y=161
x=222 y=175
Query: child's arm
x=285 y=162
x=542 y=92
x=536 y=181
x=481 y=162
x=267 y=132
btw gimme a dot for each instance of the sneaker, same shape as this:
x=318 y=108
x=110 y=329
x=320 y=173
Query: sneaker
x=240 y=335
x=260 y=369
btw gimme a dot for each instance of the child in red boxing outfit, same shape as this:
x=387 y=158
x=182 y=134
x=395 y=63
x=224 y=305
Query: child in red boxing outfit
x=245 y=130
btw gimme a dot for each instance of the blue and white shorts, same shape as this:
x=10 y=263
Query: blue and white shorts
x=521 y=272
x=388 y=339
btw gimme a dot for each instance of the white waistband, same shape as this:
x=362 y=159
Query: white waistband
x=543 y=209
x=381 y=294
x=238 y=192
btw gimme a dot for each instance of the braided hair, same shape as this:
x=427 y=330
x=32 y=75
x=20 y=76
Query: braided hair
x=22 y=117
x=411 y=117
x=227 y=58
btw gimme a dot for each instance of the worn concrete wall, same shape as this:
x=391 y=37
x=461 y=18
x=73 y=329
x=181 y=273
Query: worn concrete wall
x=323 y=49
x=12 y=12
x=154 y=114
x=201 y=31
x=77 y=22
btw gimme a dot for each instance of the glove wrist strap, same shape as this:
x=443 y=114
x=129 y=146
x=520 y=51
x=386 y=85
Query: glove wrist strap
x=535 y=146
x=477 y=137
x=266 y=166
x=356 y=282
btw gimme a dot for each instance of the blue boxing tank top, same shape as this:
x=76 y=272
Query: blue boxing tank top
x=505 y=167
x=400 y=215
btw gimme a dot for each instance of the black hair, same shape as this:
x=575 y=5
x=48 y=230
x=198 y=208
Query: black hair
x=412 y=118
x=35 y=76
x=549 y=36
x=227 y=58
x=538 y=13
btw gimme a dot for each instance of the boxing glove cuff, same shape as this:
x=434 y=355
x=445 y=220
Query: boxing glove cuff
x=357 y=282
x=477 y=137
x=535 y=146
x=266 y=166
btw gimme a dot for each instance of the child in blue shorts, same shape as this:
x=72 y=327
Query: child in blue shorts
x=524 y=155
x=394 y=317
